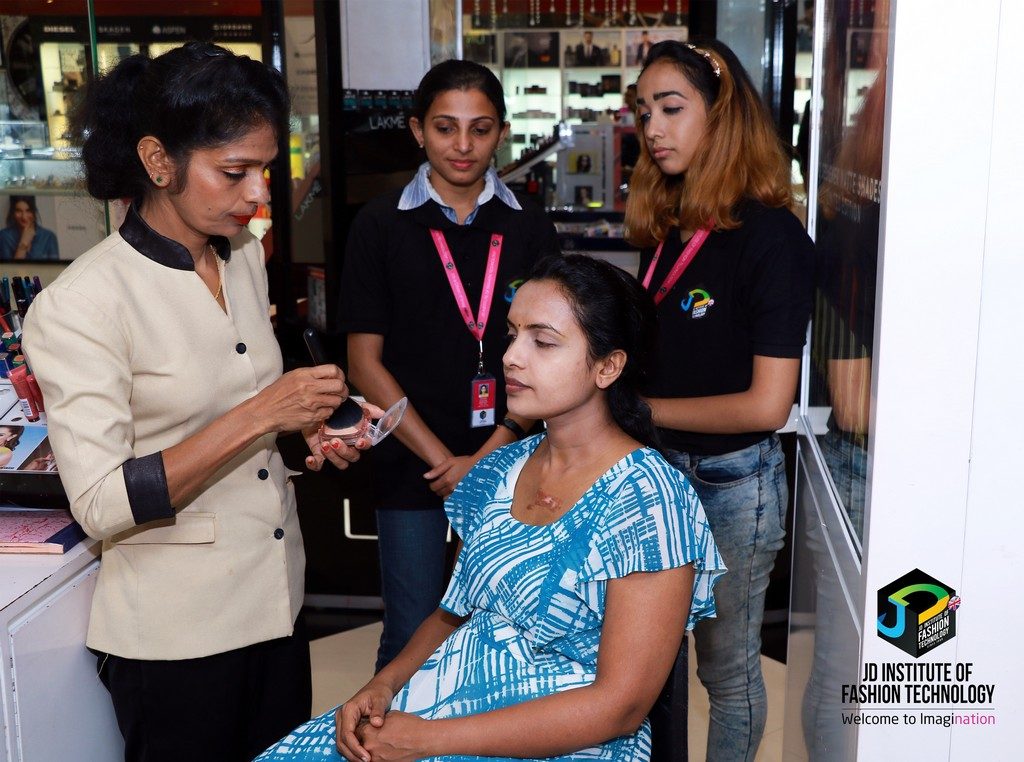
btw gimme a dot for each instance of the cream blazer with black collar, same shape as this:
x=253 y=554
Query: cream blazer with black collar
x=133 y=355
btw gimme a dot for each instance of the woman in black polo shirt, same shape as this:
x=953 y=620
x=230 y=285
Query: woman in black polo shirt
x=731 y=270
x=429 y=273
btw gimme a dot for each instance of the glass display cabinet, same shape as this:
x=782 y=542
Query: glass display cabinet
x=50 y=51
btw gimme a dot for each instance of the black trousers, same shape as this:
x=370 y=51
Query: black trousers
x=223 y=708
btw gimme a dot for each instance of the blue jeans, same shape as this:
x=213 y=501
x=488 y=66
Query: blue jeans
x=836 y=647
x=847 y=461
x=745 y=496
x=412 y=573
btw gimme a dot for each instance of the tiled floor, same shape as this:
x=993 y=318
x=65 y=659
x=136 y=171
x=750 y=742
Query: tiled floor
x=343 y=662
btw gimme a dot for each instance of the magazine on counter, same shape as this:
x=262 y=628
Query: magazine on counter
x=38 y=531
x=24 y=445
x=28 y=470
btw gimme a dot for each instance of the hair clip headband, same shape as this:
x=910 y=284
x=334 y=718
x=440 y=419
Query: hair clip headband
x=707 y=55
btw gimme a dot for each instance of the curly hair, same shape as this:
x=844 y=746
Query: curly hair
x=193 y=97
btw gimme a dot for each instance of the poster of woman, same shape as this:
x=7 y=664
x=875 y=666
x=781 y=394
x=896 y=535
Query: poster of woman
x=581 y=163
x=19 y=445
x=23 y=235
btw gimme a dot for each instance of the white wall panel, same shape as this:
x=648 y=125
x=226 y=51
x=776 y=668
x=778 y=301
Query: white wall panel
x=385 y=43
x=933 y=339
x=992 y=557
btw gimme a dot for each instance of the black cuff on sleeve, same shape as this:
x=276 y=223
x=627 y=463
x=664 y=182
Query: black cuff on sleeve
x=146 y=483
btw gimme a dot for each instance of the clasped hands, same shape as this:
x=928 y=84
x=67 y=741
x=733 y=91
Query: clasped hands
x=368 y=732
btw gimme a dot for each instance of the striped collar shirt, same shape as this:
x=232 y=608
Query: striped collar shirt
x=419 y=191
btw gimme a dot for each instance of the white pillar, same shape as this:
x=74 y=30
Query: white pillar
x=948 y=413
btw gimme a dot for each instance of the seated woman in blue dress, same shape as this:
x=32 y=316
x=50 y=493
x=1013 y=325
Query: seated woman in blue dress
x=584 y=557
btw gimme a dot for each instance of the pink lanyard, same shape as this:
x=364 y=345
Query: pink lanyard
x=679 y=267
x=476 y=325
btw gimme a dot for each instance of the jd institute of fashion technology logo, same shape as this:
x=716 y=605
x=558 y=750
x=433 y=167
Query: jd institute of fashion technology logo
x=917 y=613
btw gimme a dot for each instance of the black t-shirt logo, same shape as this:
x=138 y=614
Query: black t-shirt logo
x=697 y=303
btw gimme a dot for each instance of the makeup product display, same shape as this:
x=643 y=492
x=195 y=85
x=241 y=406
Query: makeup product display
x=351 y=422
x=19 y=380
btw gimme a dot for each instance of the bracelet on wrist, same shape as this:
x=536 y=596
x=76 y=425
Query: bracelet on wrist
x=514 y=427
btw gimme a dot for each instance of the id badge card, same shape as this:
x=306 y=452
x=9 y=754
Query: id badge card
x=482 y=400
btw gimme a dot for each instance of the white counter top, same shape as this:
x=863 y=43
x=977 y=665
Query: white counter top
x=45 y=667
x=21 y=573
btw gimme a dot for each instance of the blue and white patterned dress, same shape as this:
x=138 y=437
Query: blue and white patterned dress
x=535 y=595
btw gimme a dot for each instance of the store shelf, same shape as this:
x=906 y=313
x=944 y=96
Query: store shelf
x=544 y=58
x=28 y=190
x=41 y=172
x=521 y=169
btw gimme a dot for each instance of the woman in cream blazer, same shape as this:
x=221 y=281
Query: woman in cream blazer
x=165 y=395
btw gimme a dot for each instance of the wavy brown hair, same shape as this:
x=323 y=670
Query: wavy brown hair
x=740 y=157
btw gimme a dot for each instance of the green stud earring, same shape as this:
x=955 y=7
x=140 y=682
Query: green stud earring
x=159 y=179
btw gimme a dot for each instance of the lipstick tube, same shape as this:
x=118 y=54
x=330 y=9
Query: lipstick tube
x=19 y=380
x=37 y=393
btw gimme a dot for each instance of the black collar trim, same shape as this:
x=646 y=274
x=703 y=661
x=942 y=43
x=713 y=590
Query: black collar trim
x=161 y=249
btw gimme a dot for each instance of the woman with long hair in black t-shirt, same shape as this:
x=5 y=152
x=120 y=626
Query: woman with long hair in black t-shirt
x=429 y=274
x=731 y=270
